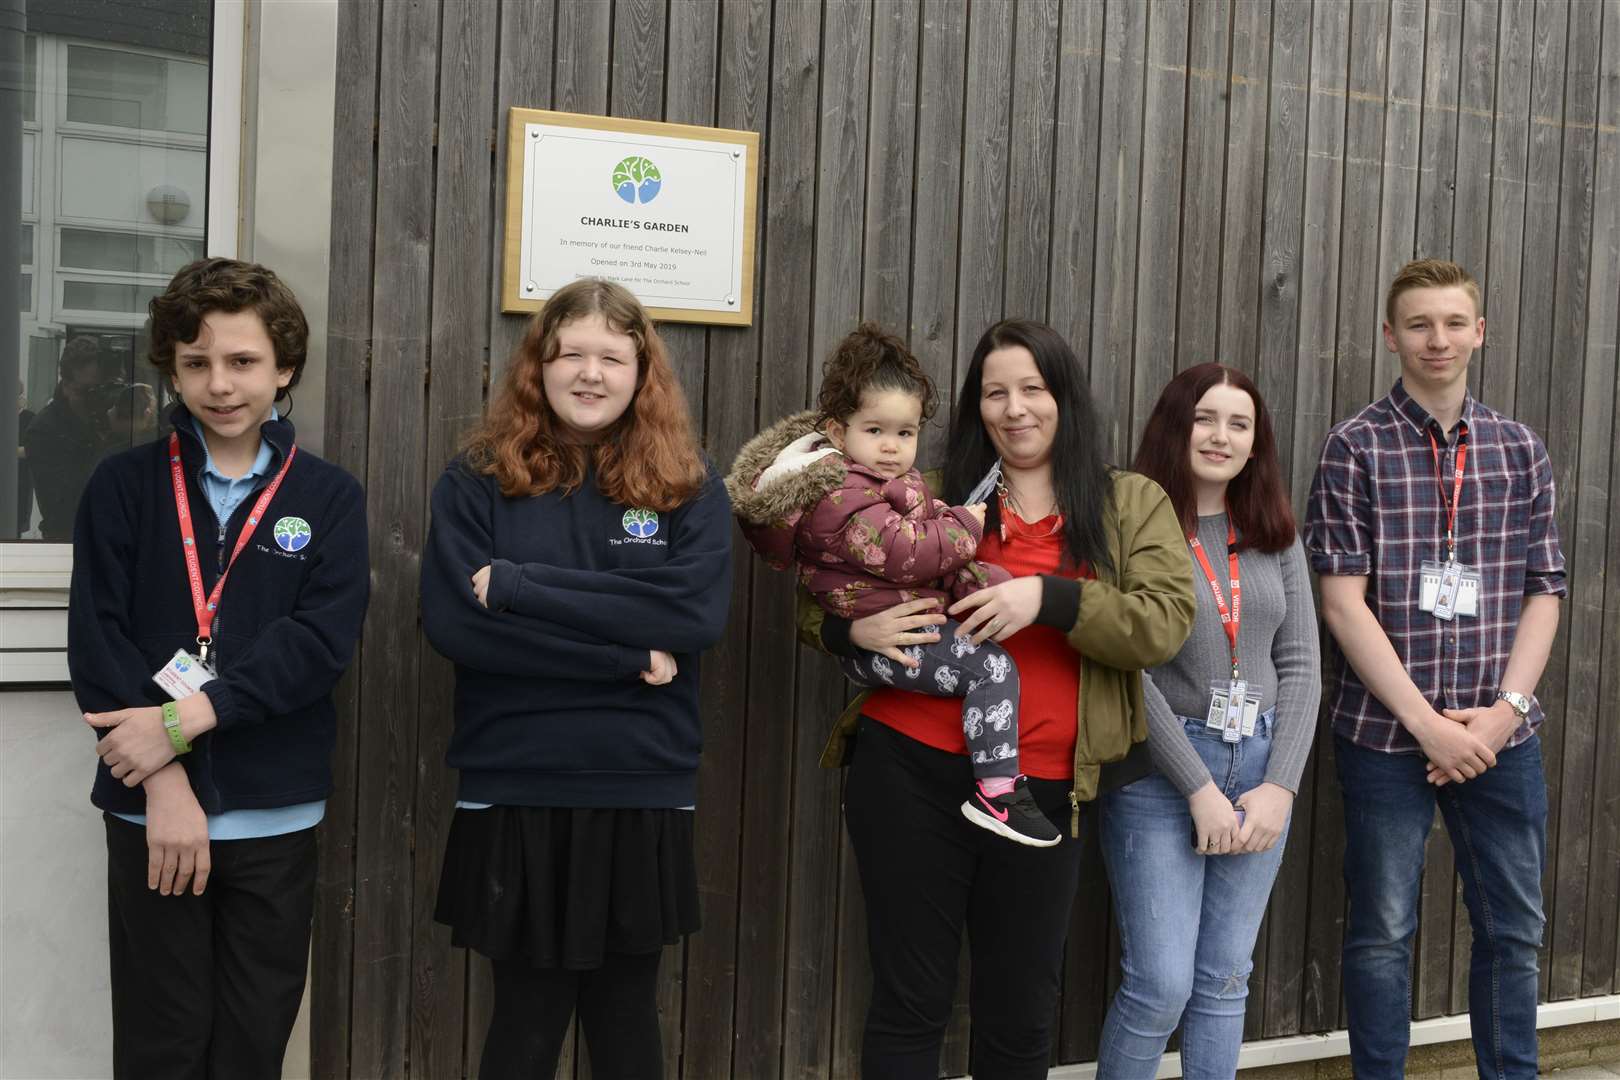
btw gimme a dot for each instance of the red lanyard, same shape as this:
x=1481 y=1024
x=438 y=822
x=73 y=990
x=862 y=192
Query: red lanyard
x=204 y=607
x=1452 y=503
x=1231 y=618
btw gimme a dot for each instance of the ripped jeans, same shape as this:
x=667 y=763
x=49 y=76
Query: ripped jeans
x=1187 y=922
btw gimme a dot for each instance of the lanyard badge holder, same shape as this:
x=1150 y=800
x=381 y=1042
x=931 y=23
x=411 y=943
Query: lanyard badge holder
x=185 y=673
x=1449 y=589
x=1233 y=706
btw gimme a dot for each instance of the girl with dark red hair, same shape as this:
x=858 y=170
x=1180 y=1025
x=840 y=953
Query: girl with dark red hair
x=1192 y=849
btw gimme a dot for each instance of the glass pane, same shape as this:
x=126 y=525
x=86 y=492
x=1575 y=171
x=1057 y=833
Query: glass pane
x=107 y=296
x=30 y=78
x=93 y=249
x=118 y=101
x=136 y=90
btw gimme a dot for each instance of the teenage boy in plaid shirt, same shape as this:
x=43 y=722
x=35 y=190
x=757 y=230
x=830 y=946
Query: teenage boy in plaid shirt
x=1431 y=525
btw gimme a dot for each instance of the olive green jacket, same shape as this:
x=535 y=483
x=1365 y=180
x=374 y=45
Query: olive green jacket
x=1135 y=616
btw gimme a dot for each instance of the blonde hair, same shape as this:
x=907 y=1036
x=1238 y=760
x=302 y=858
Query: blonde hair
x=1430 y=274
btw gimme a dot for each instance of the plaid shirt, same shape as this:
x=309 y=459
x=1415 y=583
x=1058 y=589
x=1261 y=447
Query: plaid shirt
x=1376 y=511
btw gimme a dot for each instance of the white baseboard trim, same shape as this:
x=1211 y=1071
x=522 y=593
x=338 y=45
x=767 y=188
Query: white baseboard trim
x=1441 y=1029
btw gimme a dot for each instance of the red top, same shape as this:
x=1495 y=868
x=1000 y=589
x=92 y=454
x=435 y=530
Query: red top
x=1048 y=669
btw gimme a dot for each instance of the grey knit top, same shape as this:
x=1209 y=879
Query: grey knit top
x=1277 y=648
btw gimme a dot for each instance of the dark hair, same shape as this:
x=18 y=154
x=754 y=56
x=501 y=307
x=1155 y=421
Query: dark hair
x=1256 y=498
x=79 y=354
x=228 y=285
x=1081 y=478
x=650 y=456
x=869 y=358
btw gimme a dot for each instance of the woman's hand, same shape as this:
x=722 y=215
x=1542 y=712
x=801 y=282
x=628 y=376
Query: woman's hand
x=978 y=510
x=915 y=622
x=480 y=583
x=999 y=611
x=661 y=670
x=138 y=744
x=176 y=835
x=1265 y=816
x=1215 y=819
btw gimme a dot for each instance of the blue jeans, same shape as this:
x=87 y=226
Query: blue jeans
x=1498 y=827
x=1187 y=922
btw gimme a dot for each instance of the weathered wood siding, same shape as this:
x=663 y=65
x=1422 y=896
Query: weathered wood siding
x=1165 y=183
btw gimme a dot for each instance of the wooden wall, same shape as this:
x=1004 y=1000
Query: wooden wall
x=1165 y=183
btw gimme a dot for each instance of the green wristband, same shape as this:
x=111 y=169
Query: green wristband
x=171 y=724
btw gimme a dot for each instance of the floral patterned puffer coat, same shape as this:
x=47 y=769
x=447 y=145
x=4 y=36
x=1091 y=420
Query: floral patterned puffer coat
x=861 y=543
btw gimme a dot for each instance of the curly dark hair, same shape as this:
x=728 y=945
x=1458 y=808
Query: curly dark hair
x=870 y=358
x=228 y=285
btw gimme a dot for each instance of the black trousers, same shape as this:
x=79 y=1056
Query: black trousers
x=927 y=874
x=208 y=987
x=618 y=1009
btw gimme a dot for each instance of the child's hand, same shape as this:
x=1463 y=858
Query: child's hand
x=661 y=670
x=978 y=511
x=138 y=744
x=176 y=835
x=480 y=584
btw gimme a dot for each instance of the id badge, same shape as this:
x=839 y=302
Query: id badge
x=1251 y=711
x=1468 y=592
x=1445 y=598
x=1228 y=705
x=183 y=675
x=1429 y=584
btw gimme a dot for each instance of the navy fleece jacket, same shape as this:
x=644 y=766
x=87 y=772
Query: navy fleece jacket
x=550 y=708
x=283 y=634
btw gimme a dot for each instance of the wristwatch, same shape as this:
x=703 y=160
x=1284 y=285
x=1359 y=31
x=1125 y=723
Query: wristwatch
x=1520 y=703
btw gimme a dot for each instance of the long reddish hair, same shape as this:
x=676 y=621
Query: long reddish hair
x=1255 y=498
x=648 y=458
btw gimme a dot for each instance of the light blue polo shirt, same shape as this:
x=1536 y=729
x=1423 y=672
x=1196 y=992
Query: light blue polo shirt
x=225 y=494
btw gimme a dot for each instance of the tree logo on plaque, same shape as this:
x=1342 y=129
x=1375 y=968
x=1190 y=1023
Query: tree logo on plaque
x=637 y=180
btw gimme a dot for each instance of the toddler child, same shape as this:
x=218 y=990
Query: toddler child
x=834 y=491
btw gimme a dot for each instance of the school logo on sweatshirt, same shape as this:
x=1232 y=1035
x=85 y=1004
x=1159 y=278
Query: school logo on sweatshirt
x=641 y=524
x=292 y=534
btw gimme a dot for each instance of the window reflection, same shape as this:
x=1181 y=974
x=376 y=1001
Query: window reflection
x=105 y=105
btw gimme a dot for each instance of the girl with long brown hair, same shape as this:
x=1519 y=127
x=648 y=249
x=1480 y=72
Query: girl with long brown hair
x=579 y=560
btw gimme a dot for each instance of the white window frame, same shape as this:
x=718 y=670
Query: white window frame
x=34 y=575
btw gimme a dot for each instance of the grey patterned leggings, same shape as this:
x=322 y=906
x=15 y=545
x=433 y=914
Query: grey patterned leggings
x=983 y=676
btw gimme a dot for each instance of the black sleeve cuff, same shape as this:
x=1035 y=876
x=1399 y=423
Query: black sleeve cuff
x=835 y=637
x=1060 y=602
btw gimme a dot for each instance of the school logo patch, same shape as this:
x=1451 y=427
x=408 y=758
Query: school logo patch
x=640 y=523
x=292 y=534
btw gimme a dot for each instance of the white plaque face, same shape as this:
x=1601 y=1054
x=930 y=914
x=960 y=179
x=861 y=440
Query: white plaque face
x=667 y=216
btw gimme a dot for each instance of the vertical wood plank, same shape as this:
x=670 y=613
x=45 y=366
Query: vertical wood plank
x=463 y=234
x=1441 y=122
x=1551 y=27
x=1158 y=258
x=1398 y=206
x=581 y=60
x=1210 y=88
x=789 y=213
x=1603 y=327
x=1119 y=172
x=1283 y=123
x=941 y=89
x=348 y=361
x=525 y=33
x=395 y=483
x=1241 y=271
x=818 y=834
x=1074 y=188
x=1313 y=413
x=1030 y=186
x=1505 y=255
x=1573 y=419
x=891 y=176
x=1473 y=176
x=982 y=270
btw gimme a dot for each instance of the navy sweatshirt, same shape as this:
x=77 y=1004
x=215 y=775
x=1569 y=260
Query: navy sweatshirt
x=283 y=634
x=550 y=708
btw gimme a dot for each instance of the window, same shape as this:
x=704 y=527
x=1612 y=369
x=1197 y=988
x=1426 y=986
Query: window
x=115 y=109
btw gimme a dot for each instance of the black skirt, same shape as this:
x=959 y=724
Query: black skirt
x=559 y=887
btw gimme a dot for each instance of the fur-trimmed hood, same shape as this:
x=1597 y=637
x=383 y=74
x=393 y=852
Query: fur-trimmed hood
x=784 y=470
